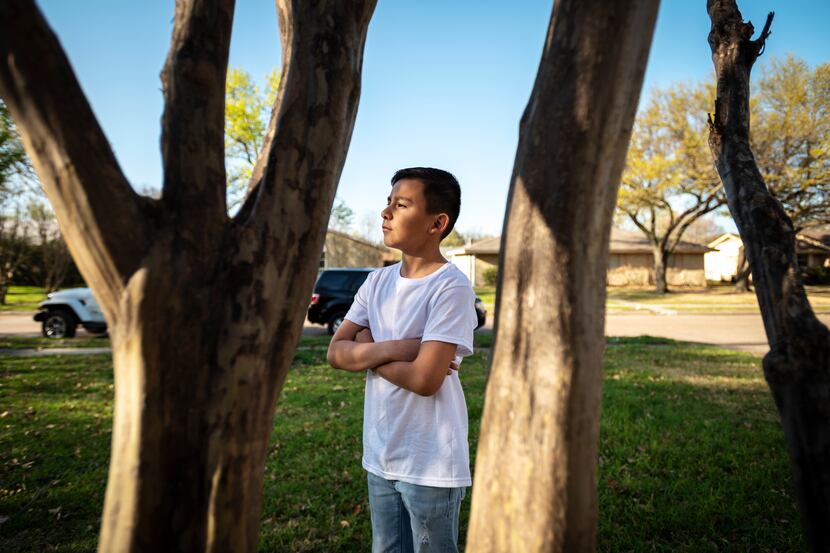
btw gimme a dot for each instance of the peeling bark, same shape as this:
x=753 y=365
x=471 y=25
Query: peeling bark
x=797 y=367
x=535 y=478
x=204 y=311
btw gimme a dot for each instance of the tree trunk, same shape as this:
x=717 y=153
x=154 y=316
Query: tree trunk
x=660 y=257
x=797 y=367
x=204 y=311
x=742 y=273
x=535 y=478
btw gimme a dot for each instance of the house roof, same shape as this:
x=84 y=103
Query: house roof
x=631 y=241
x=726 y=237
x=622 y=241
x=810 y=240
x=813 y=240
x=488 y=245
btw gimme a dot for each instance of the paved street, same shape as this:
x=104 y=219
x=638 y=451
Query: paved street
x=741 y=331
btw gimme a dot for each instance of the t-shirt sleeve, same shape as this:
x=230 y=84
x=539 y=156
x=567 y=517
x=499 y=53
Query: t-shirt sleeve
x=452 y=319
x=359 y=311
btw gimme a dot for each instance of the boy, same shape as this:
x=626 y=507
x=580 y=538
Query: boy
x=410 y=325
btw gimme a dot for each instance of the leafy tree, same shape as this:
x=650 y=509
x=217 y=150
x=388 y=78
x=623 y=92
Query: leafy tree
x=342 y=216
x=791 y=137
x=669 y=182
x=13 y=160
x=247 y=109
x=14 y=170
x=55 y=259
x=453 y=239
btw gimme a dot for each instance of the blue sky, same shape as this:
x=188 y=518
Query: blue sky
x=444 y=81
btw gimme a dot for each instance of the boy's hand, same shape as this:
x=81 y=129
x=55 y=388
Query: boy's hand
x=453 y=367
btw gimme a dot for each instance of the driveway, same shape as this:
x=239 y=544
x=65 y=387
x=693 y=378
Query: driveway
x=740 y=331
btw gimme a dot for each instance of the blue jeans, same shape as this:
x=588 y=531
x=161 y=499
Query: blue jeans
x=408 y=517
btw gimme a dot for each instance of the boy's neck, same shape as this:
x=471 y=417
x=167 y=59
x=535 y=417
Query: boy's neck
x=421 y=264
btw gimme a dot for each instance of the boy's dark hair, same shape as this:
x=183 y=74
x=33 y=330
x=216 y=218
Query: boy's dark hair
x=441 y=191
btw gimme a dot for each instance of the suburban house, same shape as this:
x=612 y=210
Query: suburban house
x=630 y=262
x=474 y=259
x=812 y=250
x=722 y=262
x=344 y=250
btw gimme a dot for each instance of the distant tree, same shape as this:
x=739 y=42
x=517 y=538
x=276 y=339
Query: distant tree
x=14 y=249
x=13 y=160
x=15 y=169
x=342 y=216
x=703 y=230
x=247 y=109
x=454 y=238
x=55 y=259
x=669 y=182
x=791 y=142
x=369 y=227
x=791 y=137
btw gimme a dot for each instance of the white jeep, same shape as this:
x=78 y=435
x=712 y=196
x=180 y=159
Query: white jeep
x=63 y=311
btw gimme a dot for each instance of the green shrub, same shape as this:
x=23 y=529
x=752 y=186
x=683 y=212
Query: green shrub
x=490 y=276
x=816 y=275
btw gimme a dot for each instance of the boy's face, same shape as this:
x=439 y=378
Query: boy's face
x=406 y=224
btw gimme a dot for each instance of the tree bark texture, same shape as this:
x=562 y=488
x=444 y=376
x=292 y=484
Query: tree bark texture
x=797 y=367
x=204 y=311
x=535 y=478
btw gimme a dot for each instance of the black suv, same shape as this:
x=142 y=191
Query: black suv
x=334 y=293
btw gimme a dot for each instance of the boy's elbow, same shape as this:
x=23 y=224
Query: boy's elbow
x=331 y=357
x=428 y=387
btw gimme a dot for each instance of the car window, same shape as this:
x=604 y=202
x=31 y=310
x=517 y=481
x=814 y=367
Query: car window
x=334 y=280
x=341 y=281
x=358 y=279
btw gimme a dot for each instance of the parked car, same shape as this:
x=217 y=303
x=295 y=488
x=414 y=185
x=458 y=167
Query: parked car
x=334 y=293
x=63 y=311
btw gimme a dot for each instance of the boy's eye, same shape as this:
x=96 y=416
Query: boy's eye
x=400 y=205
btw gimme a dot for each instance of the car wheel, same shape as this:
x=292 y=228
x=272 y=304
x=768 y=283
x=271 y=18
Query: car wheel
x=335 y=321
x=59 y=324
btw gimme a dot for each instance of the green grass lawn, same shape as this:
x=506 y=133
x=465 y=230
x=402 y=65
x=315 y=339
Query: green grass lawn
x=717 y=298
x=39 y=342
x=23 y=298
x=692 y=457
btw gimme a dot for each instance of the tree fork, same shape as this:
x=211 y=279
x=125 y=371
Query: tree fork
x=205 y=311
x=535 y=478
x=797 y=367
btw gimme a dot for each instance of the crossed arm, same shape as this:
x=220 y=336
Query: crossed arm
x=410 y=364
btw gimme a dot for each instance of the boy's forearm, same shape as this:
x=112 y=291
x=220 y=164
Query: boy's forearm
x=400 y=373
x=359 y=356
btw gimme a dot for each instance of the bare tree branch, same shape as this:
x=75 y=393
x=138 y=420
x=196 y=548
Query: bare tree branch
x=322 y=54
x=193 y=125
x=104 y=219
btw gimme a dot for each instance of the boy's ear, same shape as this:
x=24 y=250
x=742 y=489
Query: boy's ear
x=440 y=224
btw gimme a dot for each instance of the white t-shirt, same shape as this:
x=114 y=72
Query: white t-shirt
x=407 y=437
